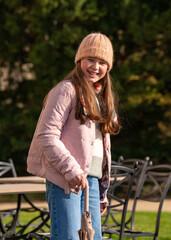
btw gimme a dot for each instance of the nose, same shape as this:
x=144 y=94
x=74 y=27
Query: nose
x=95 y=65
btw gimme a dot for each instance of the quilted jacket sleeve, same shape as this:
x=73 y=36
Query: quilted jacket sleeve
x=52 y=120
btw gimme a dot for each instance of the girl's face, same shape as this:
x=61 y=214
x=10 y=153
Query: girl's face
x=93 y=68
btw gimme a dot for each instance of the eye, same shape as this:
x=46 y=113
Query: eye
x=90 y=59
x=102 y=63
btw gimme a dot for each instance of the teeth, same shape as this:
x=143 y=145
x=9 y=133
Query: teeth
x=93 y=73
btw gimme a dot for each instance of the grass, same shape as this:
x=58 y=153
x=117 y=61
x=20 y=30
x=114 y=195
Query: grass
x=148 y=219
x=143 y=220
x=25 y=218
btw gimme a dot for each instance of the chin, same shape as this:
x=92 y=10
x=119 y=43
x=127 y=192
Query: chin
x=92 y=80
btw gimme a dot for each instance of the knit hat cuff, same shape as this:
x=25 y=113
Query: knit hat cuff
x=95 y=52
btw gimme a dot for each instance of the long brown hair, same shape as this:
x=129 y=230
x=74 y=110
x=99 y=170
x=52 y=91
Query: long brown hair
x=86 y=106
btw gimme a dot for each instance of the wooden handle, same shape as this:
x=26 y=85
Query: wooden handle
x=86 y=198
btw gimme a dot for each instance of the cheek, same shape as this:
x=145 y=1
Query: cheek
x=83 y=66
x=103 y=71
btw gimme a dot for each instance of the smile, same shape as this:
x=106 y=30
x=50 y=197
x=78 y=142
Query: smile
x=92 y=73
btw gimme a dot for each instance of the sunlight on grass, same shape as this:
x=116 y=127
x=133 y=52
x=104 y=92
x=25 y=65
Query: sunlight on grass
x=146 y=221
x=143 y=220
x=25 y=218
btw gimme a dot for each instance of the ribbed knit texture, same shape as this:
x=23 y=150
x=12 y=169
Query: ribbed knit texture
x=96 y=45
x=97 y=158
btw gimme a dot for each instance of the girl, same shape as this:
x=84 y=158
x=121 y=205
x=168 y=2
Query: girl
x=71 y=143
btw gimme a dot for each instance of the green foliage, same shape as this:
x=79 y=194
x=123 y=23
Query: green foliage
x=38 y=44
x=143 y=73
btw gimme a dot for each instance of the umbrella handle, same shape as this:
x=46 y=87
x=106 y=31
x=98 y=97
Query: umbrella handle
x=86 y=197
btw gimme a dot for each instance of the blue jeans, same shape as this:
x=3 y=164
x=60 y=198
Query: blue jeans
x=65 y=211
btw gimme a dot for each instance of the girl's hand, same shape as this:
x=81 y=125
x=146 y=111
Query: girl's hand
x=78 y=183
x=103 y=208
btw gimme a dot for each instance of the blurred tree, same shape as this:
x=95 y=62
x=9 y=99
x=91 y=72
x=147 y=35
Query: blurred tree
x=143 y=74
x=38 y=44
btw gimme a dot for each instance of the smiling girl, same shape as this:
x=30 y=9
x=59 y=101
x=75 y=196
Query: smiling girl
x=71 y=144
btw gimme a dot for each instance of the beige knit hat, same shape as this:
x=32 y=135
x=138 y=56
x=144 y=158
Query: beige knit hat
x=96 y=45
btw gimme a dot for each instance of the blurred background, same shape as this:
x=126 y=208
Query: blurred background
x=38 y=42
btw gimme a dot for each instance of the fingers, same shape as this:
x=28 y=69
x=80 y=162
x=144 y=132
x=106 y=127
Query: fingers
x=78 y=182
x=75 y=182
x=103 y=208
x=103 y=211
x=84 y=181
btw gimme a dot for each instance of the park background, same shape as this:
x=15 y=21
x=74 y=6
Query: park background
x=38 y=42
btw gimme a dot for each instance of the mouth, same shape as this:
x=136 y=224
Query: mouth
x=92 y=74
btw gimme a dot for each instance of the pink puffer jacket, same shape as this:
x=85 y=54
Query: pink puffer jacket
x=61 y=147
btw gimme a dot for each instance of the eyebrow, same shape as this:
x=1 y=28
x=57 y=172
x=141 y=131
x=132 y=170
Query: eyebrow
x=99 y=59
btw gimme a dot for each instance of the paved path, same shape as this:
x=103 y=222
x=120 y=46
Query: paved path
x=151 y=207
x=140 y=207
